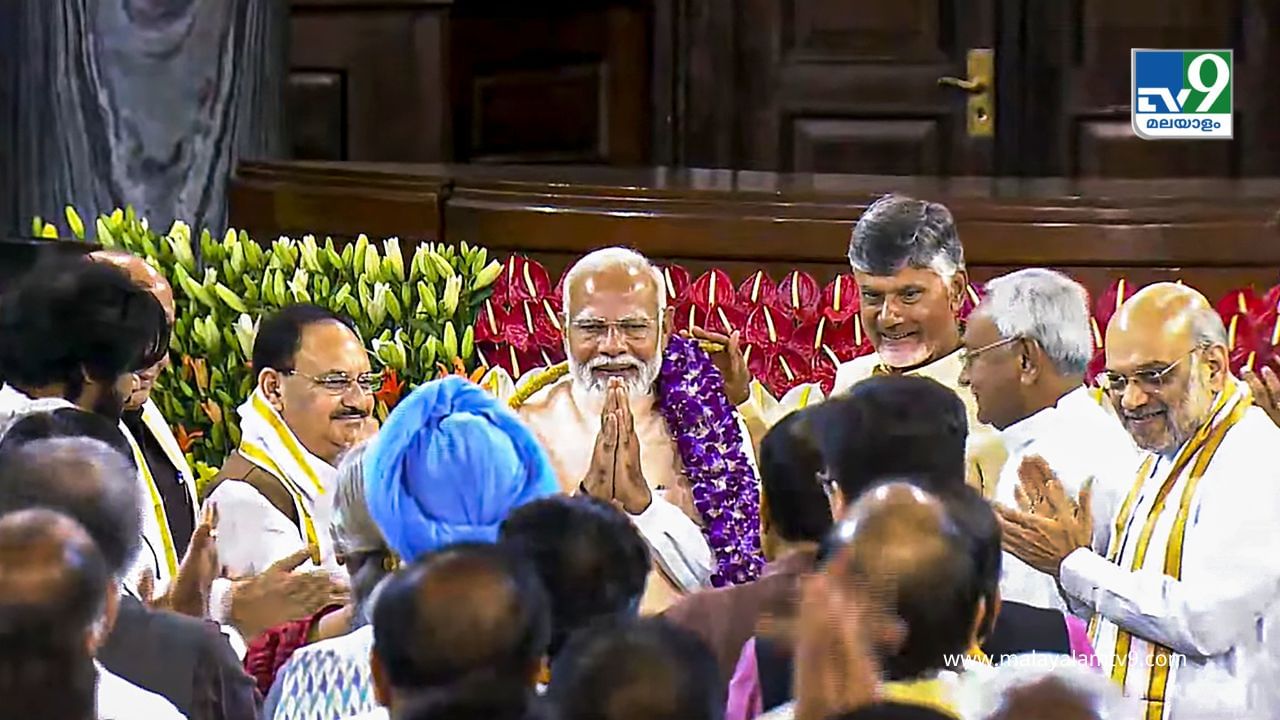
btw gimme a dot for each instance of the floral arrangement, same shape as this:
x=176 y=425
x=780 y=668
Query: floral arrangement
x=416 y=314
x=710 y=442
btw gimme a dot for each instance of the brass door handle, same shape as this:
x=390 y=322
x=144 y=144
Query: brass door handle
x=970 y=85
x=980 y=107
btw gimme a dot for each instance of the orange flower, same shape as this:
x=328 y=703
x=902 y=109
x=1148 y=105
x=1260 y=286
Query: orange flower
x=212 y=410
x=186 y=439
x=460 y=370
x=391 y=390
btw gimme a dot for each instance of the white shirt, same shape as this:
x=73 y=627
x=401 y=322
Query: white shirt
x=119 y=699
x=1079 y=439
x=1223 y=615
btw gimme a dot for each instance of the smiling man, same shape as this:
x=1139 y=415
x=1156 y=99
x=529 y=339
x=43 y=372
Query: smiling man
x=602 y=426
x=1183 y=582
x=314 y=400
x=909 y=264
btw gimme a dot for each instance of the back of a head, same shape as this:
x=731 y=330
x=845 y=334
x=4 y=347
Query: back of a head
x=460 y=633
x=280 y=334
x=356 y=538
x=894 y=425
x=897 y=232
x=639 y=670
x=902 y=538
x=52 y=585
x=75 y=317
x=589 y=556
x=77 y=475
x=1051 y=688
x=791 y=468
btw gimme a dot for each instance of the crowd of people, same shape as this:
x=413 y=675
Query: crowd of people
x=966 y=529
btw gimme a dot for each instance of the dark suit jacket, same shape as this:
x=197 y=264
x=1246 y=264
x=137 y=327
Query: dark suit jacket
x=1018 y=629
x=186 y=660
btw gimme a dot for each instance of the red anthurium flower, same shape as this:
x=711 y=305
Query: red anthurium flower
x=1242 y=301
x=798 y=296
x=768 y=328
x=757 y=360
x=808 y=339
x=677 y=282
x=756 y=290
x=392 y=388
x=490 y=321
x=1111 y=300
x=841 y=298
x=1249 y=348
x=847 y=340
x=539 y=321
x=823 y=370
x=722 y=319
x=525 y=279
x=972 y=296
x=515 y=361
x=786 y=370
x=713 y=289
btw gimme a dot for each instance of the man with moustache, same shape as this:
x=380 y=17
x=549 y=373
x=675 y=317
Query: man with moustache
x=313 y=400
x=1182 y=581
x=601 y=424
x=909 y=265
x=1026 y=348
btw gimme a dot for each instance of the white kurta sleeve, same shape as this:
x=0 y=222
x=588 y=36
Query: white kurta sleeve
x=677 y=543
x=252 y=533
x=1231 y=574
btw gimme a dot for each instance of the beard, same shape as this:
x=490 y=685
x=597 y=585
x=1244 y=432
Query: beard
x=637 y=384
x=109 y=405
x=1180 y=421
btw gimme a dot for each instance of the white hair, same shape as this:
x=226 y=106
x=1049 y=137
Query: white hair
x=1047 y=307
x=1021 y=672
x=611 y=258
x=1207 y=328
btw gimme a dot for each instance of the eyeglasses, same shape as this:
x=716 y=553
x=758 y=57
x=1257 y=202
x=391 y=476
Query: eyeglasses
x=967 y=356
x=1151 y=381
x=339 y=383
x=599 y=329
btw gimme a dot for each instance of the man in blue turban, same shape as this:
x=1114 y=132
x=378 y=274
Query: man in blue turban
x=448 y=466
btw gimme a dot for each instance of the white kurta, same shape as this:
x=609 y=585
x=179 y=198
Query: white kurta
x=984 y=451
x=1224 y=614
x=119 y=699
x=1080 y=439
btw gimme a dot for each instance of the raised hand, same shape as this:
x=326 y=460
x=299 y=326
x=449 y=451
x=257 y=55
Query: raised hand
x=599 y=480
x=729 y=360
x=1266 y=391
x=188 y=593
x=278 y=594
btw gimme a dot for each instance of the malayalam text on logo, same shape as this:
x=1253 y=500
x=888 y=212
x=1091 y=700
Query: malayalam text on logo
x=1182 y=94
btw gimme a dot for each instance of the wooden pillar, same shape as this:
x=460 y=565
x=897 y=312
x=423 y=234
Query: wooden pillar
x=142 y=102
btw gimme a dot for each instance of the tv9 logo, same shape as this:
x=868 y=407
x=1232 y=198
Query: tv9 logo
x=1182 y=94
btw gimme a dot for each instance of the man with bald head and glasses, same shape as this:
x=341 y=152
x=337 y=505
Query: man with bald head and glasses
x=1181 y=578
x=313 y=400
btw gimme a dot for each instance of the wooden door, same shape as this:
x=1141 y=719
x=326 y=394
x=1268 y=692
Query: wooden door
x=823 y=86
x=1075 y=95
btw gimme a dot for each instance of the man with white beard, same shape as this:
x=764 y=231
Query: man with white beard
x=603 y=427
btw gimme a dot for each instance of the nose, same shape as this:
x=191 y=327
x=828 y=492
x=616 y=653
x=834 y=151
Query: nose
x=889 y=314
x=964 y=375
x=613 y=343
x=1134 y=396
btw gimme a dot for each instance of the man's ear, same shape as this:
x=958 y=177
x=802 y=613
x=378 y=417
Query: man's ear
x=1218 y=364
x=381 y=685
x=1030 y=357
x=959 y=290
x=271 y=383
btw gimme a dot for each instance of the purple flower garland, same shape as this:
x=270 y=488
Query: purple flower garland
x=692 y=400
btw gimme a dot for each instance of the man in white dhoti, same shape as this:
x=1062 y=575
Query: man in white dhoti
x=909 y=265
x=640 y=422
x=1026 y=348
x=1182 y=583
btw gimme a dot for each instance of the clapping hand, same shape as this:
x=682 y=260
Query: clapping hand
x=1049 y=525
x=615 y=474
x=1266 y=391
x=188 y=591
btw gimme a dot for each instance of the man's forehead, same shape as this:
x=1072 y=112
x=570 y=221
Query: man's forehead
x=906 y=277
x=330 y=345
x=614 y=291
x=980 y=326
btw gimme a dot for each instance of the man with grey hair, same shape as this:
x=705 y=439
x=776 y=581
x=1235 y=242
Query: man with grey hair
x=1026 y=348
x=601 y=424
x=1182 y=581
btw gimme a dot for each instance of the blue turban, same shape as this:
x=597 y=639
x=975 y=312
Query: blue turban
x=448 y=466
